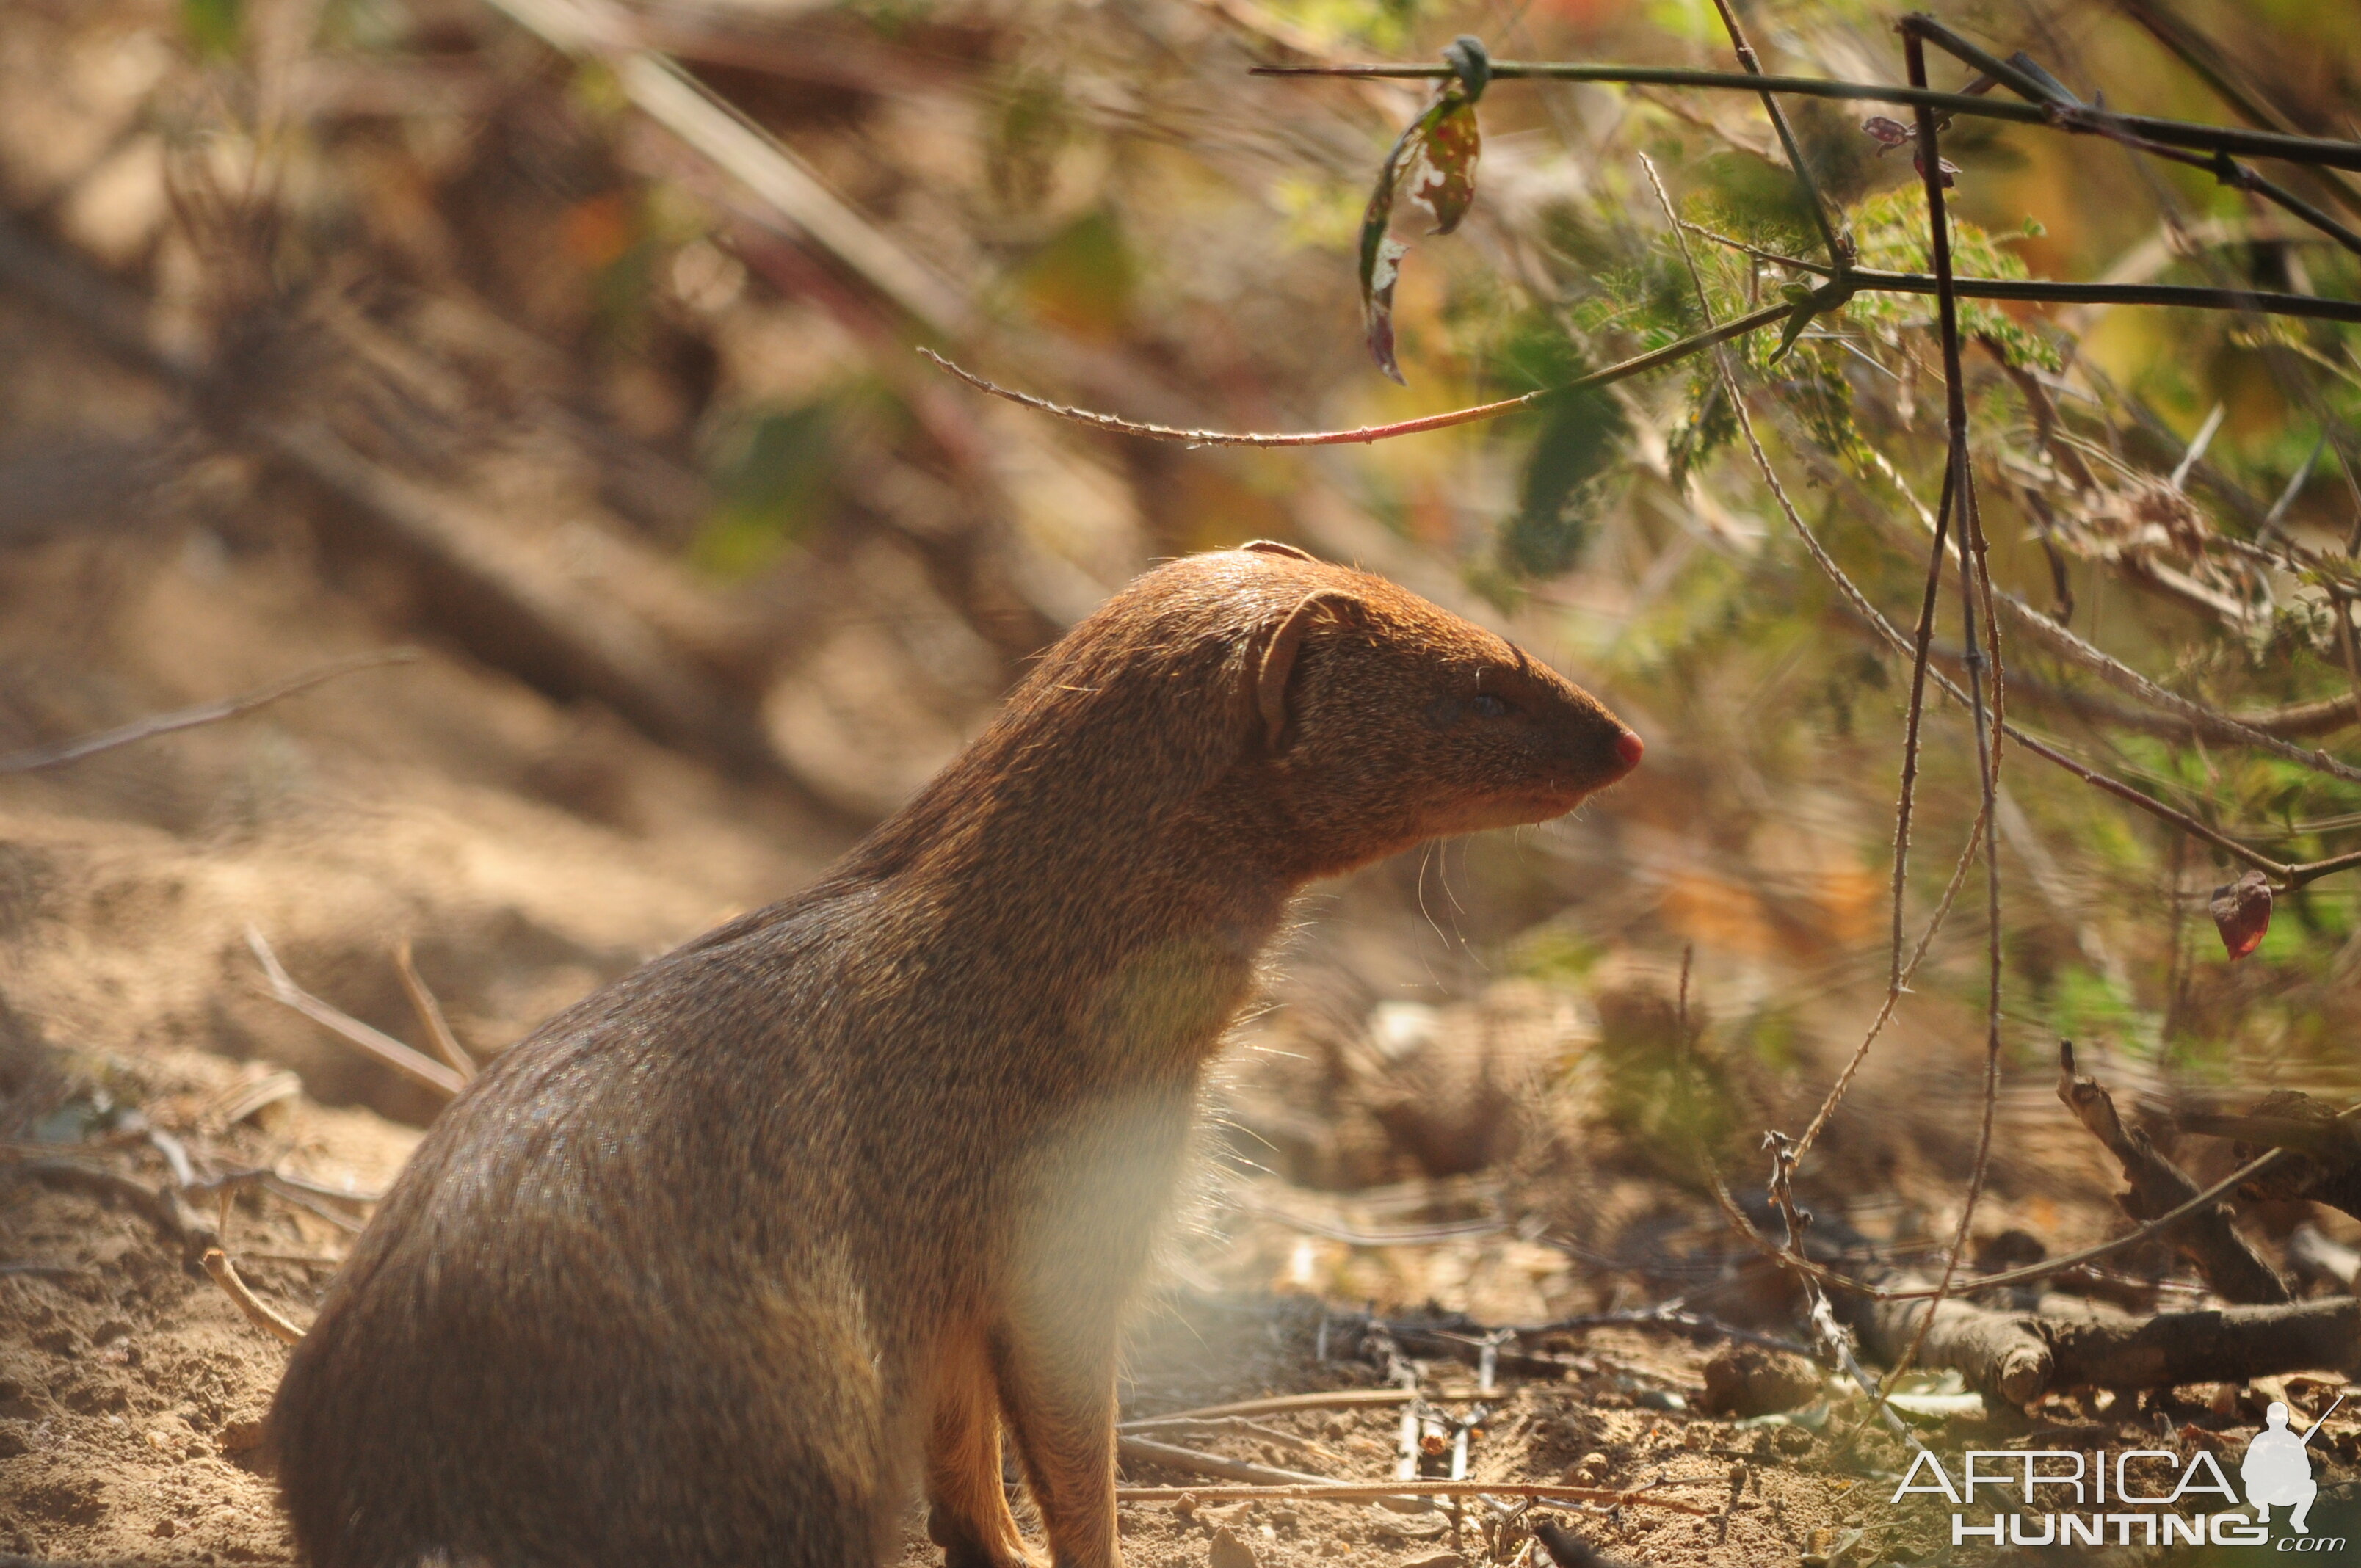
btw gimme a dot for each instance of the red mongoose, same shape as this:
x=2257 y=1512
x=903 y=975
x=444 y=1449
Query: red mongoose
x=725 y=1260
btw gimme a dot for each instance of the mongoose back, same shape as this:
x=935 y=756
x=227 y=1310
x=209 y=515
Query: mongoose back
x=726 y=1261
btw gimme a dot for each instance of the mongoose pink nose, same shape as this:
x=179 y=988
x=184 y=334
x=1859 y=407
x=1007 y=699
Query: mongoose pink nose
x=1628 y=747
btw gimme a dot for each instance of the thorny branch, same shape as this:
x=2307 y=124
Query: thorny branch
x=1975 y=605
x=2324 y=151
x=73 y=751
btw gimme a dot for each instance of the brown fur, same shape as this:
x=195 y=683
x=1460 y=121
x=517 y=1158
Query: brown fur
x=724 y=1259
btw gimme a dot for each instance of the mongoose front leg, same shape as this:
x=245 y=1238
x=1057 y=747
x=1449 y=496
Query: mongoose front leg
x=968 y=1508
x=1057 y=1389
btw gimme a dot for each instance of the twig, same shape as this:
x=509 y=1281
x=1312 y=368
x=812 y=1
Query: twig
x=2321 y=150
x=1669 y=354
x=1675 y=1320
x=1373 y=1492
x=1838 y=256
x=424 y=1069
x=720 y=132
x=1337 y=1399
x=165 y=1208
x=62 y=751
x=2231 y=1266
x=257 y=1311
x=1855 y=280
x=1974 y=574
x=1167 y=1456
x=430 y=1013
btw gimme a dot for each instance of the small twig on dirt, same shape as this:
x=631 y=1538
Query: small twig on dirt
x=2229 y=1262
x=1339 y=1398
x=146 y=728
x=1672 y=1319
x=1379 y=1491
x=376 y=1043
x=1214 y=1425
x=257 y=1311
x=165 y=1208
x=1166 y=1456
x=430 y=1013
x=2030 y=1272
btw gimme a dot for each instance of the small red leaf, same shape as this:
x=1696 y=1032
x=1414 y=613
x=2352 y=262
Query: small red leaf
x=1889 y=133
x=2241 y=912
x=1918 y=161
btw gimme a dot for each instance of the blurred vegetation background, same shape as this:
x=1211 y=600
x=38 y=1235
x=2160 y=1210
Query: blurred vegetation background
x=574 y=340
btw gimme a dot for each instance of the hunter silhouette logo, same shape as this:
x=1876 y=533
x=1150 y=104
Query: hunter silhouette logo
x=2277 y=1471
x=2134 y=1497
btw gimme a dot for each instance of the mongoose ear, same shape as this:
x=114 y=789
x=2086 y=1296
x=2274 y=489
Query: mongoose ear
x=1333 y=605
x=1273 y=547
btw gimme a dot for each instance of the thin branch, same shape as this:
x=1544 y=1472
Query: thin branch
x=146 y=728
x=1974 y=574
x=2043 y=291
x=257 y=1311
x=1669 y=354
x=2325 y=151
x=426 y=1069
x=1922 y=642
x=1839 y=254
x=423 y=1002
x=1894 y=993
x=1855 y=280
x=2030 y=1272
x=1373 y=1492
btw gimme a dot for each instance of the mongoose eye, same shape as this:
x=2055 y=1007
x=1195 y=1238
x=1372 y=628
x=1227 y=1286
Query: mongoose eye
x=1487 y=705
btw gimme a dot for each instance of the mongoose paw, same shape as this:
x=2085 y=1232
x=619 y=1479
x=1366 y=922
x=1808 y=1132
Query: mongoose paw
x=963 y=1549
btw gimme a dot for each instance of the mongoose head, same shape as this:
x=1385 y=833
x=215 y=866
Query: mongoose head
x=1379 y=720
x=1276 y=712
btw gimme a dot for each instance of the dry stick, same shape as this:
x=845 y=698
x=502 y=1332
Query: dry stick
x=1669 y=354
x=1922 y=645
x=1822 y=1316
x=1339 y=1399
x=1856 y=280
x=1375 y=1492
x=1974 y=571
x=1168 y=1456
x=426 y=1069
x=257 y=1311
x=1870 y=613
x=1838 y=253
x=430 y=1013
x=191 y=718
x=1899 y=976
x=2228 y=1262
x=2325 y=151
